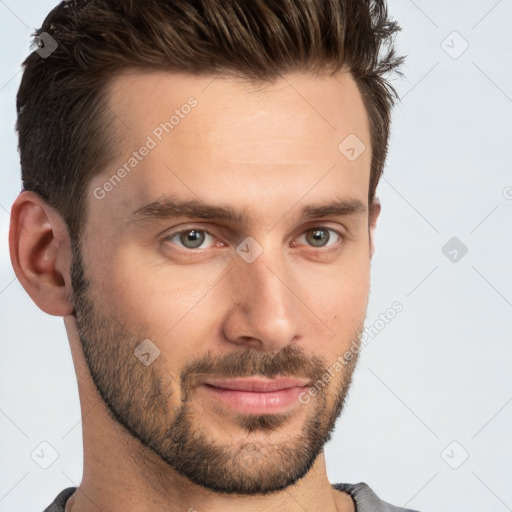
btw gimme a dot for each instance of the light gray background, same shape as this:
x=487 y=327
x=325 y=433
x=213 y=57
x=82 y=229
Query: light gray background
x=435 y=384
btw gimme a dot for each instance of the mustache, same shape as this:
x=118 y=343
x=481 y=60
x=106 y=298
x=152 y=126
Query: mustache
x=291 y=361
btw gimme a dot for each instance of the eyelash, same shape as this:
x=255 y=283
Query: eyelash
x=328 y=248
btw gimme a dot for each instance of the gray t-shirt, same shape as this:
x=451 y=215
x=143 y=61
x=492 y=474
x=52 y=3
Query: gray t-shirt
x=364 y=498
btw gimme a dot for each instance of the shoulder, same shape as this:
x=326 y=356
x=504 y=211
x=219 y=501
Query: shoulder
x=366 y=500
x=59 y=503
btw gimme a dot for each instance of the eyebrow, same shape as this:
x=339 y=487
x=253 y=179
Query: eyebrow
x=169 y=208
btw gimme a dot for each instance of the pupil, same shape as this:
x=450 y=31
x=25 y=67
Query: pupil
x=194 y=237
x=318 y=235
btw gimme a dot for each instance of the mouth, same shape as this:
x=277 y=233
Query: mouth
x=256 y=395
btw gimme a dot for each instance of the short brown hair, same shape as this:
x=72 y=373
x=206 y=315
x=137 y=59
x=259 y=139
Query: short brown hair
x=63 y=122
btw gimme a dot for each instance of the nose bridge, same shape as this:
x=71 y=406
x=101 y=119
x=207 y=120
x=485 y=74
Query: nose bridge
x=270 y=283
x=268 y=310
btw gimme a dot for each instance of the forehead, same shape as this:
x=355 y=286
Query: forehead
x=221 y=139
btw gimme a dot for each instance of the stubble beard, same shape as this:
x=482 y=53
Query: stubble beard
x=138 y=397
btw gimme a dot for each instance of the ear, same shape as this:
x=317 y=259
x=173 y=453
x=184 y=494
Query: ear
x=40 y=250
x=374 y=215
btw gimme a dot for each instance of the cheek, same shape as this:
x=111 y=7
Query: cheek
x=341 y=302
x=171 y=305
x=341 y=291
x=180 y=306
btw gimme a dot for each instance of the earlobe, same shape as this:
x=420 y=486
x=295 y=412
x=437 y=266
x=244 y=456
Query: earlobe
x=374 y=215
x=40 y=252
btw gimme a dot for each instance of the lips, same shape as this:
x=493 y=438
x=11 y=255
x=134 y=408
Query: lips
x=257 y=384
x=255 y=395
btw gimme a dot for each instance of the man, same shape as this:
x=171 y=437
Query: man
x=199 y=205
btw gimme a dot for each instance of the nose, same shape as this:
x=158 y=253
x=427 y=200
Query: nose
x=267 y=312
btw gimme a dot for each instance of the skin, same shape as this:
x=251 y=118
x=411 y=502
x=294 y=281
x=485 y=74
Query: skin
x=293 y=311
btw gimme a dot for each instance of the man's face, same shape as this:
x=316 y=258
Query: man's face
x=271 y=294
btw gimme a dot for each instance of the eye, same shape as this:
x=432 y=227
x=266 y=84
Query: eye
x=319 y=236
x=190 y=238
